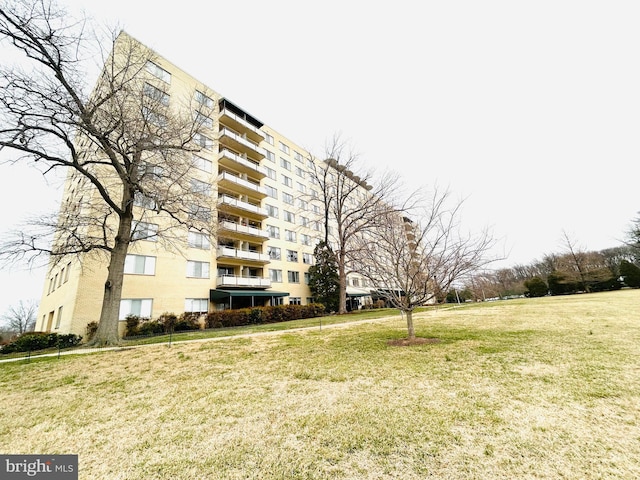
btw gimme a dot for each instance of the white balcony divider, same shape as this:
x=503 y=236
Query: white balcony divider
x=242 y=254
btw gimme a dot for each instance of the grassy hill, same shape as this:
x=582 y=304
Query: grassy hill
x=532 y=388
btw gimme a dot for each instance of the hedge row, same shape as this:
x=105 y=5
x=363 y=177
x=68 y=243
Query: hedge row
x=166 y=323
x=263 y=315
x=32 y=341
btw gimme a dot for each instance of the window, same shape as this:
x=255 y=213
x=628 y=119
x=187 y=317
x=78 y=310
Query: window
x=202 y=119
x=275 y=275
x=197 y=269
x=202 y=99
x=273 y=232
x=198 y=212
x=272 y=192
x=299 y=171
x=158 y=72
x=355 y=282
x=59 y=317
x=316 y=209
x=198 y=240
x=289 y=217
x=307 y=279
x=287 y=198
x=140 y=265
x=203 y=141
x=284 y=148
x=145 y=231
x=295 y=301
x=271 y=173
x=304 y=221
x=290 y=235
x=268 y=138
x=155 y=94
x=203 y=163
x=200 y=187
x=274 y=253
x=140 y=307
x=287 y=181
x=292 y=256
x=305 y=239
x=307 y=258
x=310 y=164
x=301 y=187
x=66 y=275
x=270 y=156
x=297 y=156
x=303 y=204
x=196 y=305
x=285 y=163
x=293 y=277
x=271 y=210
x=149 y=170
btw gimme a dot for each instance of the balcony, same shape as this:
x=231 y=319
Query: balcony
x=236 y=281
x=232 y=205
x=236 y=162
x=242 y=256
x=236 y=122
x=240 y=143
x=242 y=231
x=231 y=182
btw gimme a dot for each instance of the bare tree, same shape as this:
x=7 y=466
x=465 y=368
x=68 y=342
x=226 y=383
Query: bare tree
x=20 y=318
x=351 y=205
x=414 y=261
x=126 y=145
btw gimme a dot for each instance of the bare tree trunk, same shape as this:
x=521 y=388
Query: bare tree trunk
x=410 y=329
x=107 y=332
x=342 y=306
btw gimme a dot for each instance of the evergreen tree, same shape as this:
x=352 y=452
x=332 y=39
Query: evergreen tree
x=324 y=281
x=535 y=287
x=630 y=273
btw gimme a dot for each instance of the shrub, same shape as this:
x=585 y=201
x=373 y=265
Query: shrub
x=150 y=327
x=133 y=325
x=536 y=287
x=262 y=315
x=32 y=341
x=630 y=273
x=187 y=321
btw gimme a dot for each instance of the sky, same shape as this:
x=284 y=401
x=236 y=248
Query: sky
x=529 y=111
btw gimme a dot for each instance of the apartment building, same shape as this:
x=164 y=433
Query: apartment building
x=268 y=223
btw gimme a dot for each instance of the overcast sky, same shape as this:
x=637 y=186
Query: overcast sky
x=529 y=110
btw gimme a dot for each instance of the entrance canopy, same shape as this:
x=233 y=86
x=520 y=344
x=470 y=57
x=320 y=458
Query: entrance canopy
x=244 y=298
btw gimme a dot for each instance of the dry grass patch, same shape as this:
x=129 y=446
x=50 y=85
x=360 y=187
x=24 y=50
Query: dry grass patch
x=540 y=388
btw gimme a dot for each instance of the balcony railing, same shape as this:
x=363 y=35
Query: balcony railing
x=229 y=252
x=226 y=132
x=227 y=113
x=234 y=202
x=236 y=281
x=244 y=229
x=228 y=177
x=224 y=153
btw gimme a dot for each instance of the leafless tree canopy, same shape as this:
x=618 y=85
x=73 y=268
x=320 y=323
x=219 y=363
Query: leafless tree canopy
x=351 y=204
x=127 y=146
x=20 y=318
x=412 y=261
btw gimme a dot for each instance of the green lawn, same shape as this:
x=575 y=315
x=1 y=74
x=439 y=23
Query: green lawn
x=537 y=388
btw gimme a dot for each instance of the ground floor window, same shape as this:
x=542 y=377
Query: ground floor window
x=295 y=301
x=140 y=307
x=196 y=305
